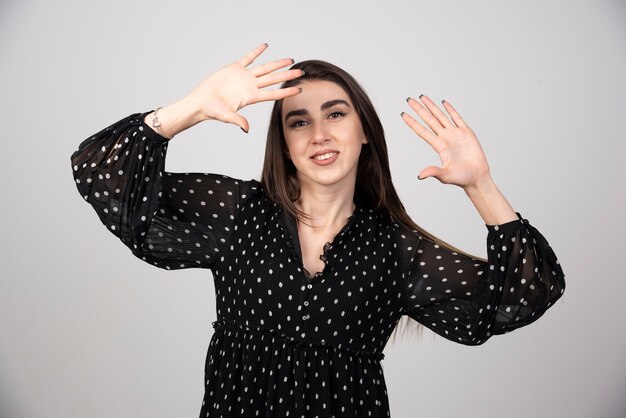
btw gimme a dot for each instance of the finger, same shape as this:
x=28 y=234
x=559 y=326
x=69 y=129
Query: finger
x=271 y=66
x=421 y=131
x=431 y=171
x=275 y=78
x=249 y=59
x=237 y=119
x=277 y=94
x=434 y=109
x=426 y=115
x=456 y=118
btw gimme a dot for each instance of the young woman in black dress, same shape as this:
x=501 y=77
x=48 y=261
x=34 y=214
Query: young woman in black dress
x=316 y=264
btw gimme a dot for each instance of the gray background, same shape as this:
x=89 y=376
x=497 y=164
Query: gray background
x=88 y=330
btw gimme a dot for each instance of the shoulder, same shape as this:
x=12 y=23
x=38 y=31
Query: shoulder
x=210 y=183
x=406 y=239
x=376 y=219
x=378 y=224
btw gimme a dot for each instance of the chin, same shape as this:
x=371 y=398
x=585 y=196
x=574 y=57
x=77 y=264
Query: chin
x=332 y=180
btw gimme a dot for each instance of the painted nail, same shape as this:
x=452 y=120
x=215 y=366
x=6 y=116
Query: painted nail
x=443 y=101
x=418 y=177
x=421 y=96
x=244 y=130
x=402 y=114
x=408 y=98
x=266 y=44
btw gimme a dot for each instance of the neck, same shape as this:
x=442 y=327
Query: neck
x=326 y=206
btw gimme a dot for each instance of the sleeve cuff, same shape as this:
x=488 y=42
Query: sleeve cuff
x=147 y=130
x=508 y=226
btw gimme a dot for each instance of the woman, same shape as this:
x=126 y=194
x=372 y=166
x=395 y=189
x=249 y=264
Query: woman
x=315 y=265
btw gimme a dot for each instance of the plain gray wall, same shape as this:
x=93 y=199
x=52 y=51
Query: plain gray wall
x=88 y=330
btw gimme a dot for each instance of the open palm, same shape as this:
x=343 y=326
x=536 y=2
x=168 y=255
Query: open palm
x=463 y=160
x=231 y=88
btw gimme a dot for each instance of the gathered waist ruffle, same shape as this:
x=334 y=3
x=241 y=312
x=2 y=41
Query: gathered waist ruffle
x=295 y=342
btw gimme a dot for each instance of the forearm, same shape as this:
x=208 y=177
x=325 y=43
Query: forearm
x=490 y=202
x=176 y=117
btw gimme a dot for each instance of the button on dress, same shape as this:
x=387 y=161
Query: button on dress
x=290 y=343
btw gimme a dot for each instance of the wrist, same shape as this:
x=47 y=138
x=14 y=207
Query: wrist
x=175 y=117
x=482 y=185
x=193 y=107
x=489 y=201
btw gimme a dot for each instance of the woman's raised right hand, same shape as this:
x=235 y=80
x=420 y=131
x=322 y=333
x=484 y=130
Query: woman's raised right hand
x=223 y=93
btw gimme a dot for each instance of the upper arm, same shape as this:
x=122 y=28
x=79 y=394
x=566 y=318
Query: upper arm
x=467 y=299
x=196 y=219
x=170 y=220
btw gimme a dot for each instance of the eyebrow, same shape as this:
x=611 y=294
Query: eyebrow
x=324 y=106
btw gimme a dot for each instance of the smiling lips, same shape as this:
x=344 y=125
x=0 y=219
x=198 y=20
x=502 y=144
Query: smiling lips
x=325 y=157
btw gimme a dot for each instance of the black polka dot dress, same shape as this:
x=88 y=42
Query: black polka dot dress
x=287 y=343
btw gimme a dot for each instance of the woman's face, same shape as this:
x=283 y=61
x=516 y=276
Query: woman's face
x=324 y=134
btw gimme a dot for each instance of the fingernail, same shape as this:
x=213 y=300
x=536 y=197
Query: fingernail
x=421 y=96
x=408 y=98
x=303 y=73
x=292 y=60
x=402 y=114
x=266 y=44
x=418 y=177
x=244 y=130
x=300 y=88
x=443 y=101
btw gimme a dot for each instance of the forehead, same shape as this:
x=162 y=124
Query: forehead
x=314 y=94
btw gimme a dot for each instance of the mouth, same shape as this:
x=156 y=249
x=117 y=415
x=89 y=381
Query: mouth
x=324 y=155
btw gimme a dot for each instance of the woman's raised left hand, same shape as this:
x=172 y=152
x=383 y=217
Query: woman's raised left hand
x=463 y=160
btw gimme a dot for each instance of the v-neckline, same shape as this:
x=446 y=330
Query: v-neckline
x=292 y=228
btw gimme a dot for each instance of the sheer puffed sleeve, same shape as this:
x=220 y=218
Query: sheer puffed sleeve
x=170 y=220
x=467 y=300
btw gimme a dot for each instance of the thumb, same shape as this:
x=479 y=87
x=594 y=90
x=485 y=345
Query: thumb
x=430 y=171
x=237 y=119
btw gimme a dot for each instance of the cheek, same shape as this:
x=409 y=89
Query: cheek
x=357 y=132
x=294 y=149
x=290 y=148
x=296 y=141
x=359 y=135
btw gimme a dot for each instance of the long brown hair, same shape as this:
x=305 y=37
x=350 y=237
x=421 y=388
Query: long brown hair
x=374 y=188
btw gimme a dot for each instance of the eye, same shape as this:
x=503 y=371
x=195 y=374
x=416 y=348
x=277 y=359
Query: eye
x=336 y=115
x=297 y=123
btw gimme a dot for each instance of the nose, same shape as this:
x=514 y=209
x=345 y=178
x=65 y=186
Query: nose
x=320 y=136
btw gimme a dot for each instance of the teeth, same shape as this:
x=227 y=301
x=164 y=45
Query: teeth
x=324 y=156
